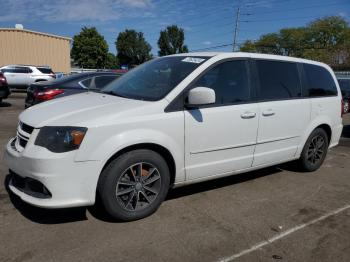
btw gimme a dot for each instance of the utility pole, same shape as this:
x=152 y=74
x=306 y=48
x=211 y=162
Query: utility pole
x=236 y=29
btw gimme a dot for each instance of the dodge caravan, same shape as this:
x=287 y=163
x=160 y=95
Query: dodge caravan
x=172 y=121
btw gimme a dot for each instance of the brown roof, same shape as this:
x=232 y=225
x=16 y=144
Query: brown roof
x=34 y=32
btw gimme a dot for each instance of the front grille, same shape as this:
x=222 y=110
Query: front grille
x=29 y=186
x=26 y=128
x=13 y=144
x=23 y=133
x=22 y=142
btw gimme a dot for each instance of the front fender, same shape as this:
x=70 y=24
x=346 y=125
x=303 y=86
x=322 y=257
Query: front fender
x=114 y=144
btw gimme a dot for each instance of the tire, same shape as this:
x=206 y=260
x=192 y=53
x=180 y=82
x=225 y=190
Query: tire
x=314 y=151
x=346 y=107
x=125 y=188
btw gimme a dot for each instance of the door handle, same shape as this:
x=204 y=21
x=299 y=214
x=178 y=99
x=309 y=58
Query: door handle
x=248 y=115
x=268 y=113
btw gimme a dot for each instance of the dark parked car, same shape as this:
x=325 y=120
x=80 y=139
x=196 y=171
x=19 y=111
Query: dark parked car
x=4 y=89
x=344 y=84
x=68 y=85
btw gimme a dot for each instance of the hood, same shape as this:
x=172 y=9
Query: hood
x=82 y=109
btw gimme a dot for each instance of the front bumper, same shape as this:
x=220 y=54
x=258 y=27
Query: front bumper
x=69 y=183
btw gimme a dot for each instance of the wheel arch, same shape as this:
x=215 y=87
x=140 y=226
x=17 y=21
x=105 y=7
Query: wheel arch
x=328 y=131
x=164 y=152
x=323 y=123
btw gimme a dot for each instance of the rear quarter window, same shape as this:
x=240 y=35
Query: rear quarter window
x=86 y=83
x=319 y=81
x=45 y=70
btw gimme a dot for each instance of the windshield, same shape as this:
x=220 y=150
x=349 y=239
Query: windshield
x=153 y=80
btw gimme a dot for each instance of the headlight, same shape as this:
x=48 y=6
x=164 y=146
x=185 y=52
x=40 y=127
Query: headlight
x=59 y=139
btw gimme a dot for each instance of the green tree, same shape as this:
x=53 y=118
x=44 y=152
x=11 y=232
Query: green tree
x=326 y=40
x=327 y=32
x=269 y=43
x=111 y=61
x=132 y=48
x=293 y=41
x=171 y=41
x=89 y=49
x=248 y=46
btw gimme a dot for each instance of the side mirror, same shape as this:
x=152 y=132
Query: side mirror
x=199 y=96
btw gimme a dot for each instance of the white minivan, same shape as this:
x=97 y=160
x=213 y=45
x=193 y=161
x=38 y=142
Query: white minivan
x=172 y=121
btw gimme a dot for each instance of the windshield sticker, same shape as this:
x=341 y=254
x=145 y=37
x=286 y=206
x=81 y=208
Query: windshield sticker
x=195 y=60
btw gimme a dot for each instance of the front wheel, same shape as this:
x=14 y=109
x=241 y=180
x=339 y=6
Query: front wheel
x=134 y=185
x=314 y=151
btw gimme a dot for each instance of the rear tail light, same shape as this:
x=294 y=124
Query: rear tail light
x=3 y=80
x=48 y=94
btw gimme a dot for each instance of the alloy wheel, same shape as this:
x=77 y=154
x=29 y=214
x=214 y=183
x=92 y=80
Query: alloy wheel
x=138 y=186
x=316 y=150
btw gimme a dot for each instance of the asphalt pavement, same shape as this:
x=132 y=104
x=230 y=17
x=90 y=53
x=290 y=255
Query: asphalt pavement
x=274 y=214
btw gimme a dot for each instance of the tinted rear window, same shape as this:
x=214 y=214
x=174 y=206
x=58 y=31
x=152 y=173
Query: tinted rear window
x=278 y=80
x=71 y=78
x=319 y=81
x=45 y=70
x=102 y=81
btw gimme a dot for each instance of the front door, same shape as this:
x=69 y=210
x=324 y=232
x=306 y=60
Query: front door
x=221 y=138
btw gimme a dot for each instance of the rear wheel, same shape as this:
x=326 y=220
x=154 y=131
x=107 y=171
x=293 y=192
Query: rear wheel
x=346 y=106
x=134 y=185
x=315 y=150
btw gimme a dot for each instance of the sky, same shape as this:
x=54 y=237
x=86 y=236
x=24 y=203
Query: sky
x=208 y=24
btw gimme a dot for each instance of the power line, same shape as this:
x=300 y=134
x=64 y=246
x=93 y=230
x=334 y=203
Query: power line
x=299 y=8
x=211 y=47
x=275 y=19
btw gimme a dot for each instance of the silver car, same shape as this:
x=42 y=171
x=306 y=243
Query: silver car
x=21 y=76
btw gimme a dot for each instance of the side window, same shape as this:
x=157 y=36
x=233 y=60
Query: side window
x=278 y=80
x=229 y=81
x=319 y=81
x=8 y=70
x=21 y=70
x=102 y=81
